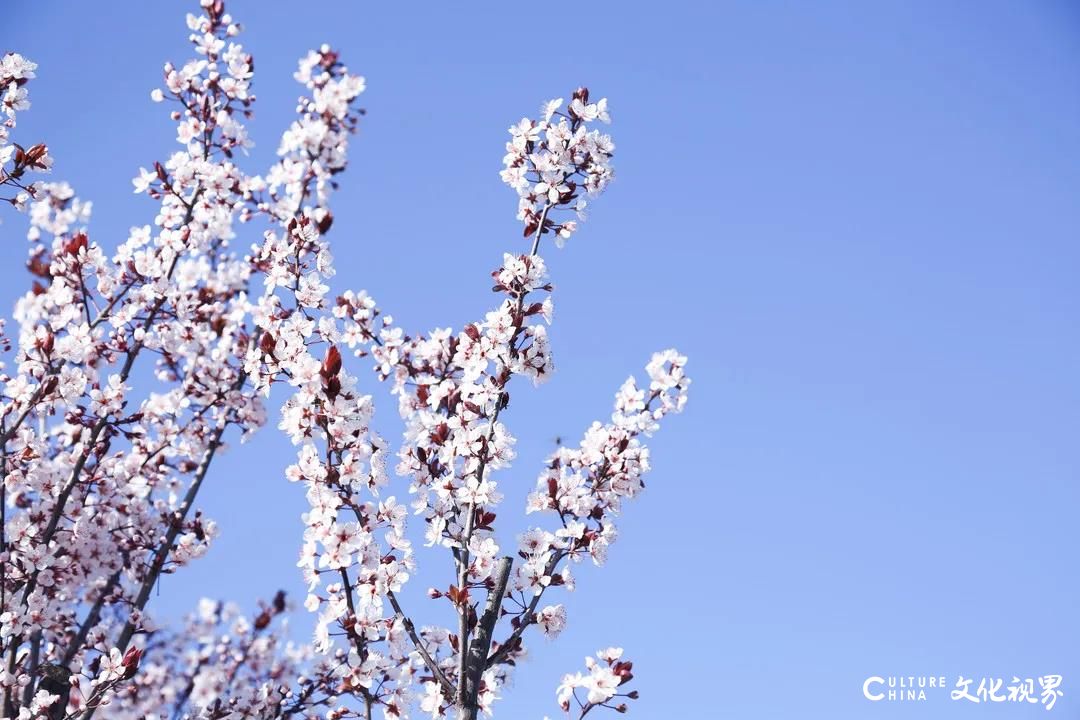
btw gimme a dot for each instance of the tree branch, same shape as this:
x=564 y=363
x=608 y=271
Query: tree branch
x=448 y=688
x=527 y=618
x=477 y=660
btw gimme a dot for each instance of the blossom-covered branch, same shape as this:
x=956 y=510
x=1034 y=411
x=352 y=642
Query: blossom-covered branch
x=17 y=163
x=600 y=687
x=103 y=485
x=453 y=389
x=132 y=369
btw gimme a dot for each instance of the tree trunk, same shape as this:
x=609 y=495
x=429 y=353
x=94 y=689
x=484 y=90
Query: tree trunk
x=476 y=662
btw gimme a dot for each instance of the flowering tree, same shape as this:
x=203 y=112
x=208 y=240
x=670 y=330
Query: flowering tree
x=100 y=481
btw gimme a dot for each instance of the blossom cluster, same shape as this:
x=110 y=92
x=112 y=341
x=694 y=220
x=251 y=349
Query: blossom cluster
x=452 y=389
x=220 y=663
x=355 y=552
x=314 y=149
x=585 y=486
x=599 y=686
x=15 y=160
x=550 y=160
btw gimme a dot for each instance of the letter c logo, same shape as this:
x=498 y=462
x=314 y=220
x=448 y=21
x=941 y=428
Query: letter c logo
x=866 y=688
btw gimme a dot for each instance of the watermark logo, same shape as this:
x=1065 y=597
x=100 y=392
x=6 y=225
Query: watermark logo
x=900 y=689
x=917 y=688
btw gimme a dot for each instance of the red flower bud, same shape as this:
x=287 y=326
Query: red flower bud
x=130 y=663
x=331 y=364
x=267 y=343
x=75 y=244
x=325 y=222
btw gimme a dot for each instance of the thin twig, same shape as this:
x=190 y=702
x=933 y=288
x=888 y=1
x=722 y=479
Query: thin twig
x=448 y=688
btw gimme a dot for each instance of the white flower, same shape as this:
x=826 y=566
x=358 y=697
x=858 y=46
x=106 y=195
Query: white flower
x=142 y=182
x=552 y=620
x=112 y=665
x=602 y=684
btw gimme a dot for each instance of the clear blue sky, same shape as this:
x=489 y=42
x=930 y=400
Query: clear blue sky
x=859 y=220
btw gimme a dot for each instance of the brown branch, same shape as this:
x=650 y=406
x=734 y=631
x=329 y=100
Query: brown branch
x=463 y=554
x=477 y=660
x=99 y=426
x=448 y=688
x=91 y=620
x=35 y=657
x=527 y=618
x=162 y=552
x=358 y=639
x=351 y=630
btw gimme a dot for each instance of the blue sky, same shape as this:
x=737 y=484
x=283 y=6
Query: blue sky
x=858 y=220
